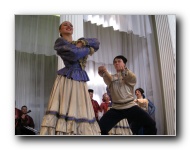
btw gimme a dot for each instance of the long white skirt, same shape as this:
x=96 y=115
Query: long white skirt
x=70 y=110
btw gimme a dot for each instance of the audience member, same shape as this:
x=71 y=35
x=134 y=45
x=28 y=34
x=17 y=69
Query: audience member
x=24 y=122
x=146 y=105
x=139 y=92
x=95 y=104
x=105 y=103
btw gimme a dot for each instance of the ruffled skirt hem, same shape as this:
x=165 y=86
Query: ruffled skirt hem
x=122 y=128
x=70 y=110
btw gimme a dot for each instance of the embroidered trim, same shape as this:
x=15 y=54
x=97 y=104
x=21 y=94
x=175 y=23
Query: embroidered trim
x=70 y=118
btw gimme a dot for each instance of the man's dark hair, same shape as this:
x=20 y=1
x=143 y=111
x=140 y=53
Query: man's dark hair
x=24 y=106
x=91 y=90
x=121 y=57
x=141 y=90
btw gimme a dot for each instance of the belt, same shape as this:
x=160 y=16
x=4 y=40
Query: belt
x=123 y=103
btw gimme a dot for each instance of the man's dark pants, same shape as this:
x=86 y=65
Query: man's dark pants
x=134 y=114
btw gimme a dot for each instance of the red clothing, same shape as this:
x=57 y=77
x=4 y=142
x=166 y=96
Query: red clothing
x=27 y=121
x=17 y=113
x=17 y=116
x=96 y=108
x=104 y=106
x=20 y=123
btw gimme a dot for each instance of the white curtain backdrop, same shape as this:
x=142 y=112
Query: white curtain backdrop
x=136 y=24
x=36 y=34
x=36 y=61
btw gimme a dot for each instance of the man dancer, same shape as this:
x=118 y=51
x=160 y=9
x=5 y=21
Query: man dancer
x=121 y=87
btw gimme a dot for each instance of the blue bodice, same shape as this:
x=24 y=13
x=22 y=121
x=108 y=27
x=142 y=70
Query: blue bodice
x=74 y=71
x=71 y=55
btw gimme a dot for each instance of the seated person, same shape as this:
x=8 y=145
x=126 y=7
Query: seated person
x=25 y=121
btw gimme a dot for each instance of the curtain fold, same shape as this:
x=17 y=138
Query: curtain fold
x=34 y=78
x=110 y=42
x=136 y=24
x=36 y=33
x=35 y=62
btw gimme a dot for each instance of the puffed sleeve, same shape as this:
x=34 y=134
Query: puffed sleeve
x=69 y=51
x=91 y=42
